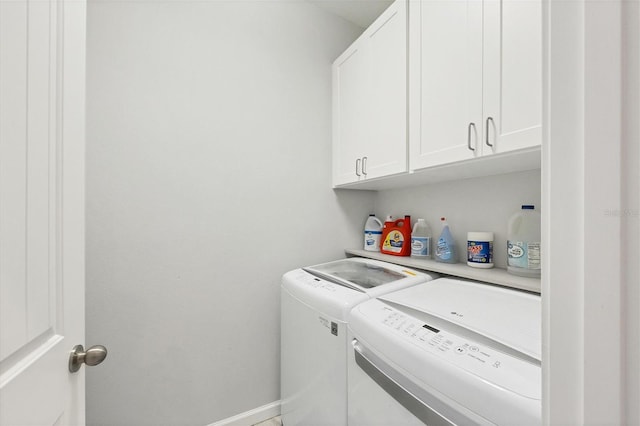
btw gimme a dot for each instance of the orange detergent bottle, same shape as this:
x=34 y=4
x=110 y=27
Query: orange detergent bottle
x=396 y=237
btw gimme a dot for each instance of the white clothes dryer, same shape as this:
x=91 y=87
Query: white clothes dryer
x=315 y=303
x=449 y=352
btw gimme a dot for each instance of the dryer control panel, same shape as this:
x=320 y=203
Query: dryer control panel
x=495 y=366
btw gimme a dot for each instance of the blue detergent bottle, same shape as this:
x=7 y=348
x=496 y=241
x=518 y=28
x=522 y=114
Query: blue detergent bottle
x=445 y=246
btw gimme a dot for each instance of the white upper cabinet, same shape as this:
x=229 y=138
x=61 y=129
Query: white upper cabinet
x=370 y=102
x=446 y=81
x=476 y=79
x=349 y=116
x=512 y=75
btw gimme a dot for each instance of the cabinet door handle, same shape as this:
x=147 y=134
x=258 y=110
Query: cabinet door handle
x=358 y=167
x=471 y=126
x=364 y=166
x=486 y=132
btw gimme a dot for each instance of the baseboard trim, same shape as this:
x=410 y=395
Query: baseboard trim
x=252 y=417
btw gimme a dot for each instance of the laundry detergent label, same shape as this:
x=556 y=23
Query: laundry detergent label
x=523 y=254
x=480 y=251
x=394 y=242
x=372 y=240
x=420 y=246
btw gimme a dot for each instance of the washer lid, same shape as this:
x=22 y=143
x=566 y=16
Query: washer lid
x=509 y=317
x=360 y=274
x=334 y=288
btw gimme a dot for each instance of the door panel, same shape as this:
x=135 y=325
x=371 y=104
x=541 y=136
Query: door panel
x=40 y=169
x=25 y=174
x=13 y=86
x=22 y=401
x=41 y=210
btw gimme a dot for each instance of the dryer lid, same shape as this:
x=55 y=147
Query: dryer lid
x=510 y=317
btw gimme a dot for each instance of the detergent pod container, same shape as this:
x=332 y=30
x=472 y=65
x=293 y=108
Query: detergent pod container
x=480 y=249
x=396 y=237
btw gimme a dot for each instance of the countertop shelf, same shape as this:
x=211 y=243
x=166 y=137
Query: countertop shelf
x=497 y=276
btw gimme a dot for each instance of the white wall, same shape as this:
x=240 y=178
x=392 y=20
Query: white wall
x=208 y=176
x=177 y=93
x=480 y=204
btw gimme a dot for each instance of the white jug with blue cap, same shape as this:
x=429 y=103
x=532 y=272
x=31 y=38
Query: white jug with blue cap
x=372 y=233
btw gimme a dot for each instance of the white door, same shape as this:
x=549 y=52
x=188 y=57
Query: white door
x=512 y=74
x=445 y=68
x=41 y=210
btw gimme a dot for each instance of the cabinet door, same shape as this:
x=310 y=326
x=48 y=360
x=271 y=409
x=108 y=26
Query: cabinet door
x=349 y=113
x=446 y=82
x=386 y=144
x=370 y=101
x=512 y=88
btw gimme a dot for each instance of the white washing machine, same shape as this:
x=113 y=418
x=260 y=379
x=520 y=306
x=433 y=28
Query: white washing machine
x=449 y=352
x=314 y=346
